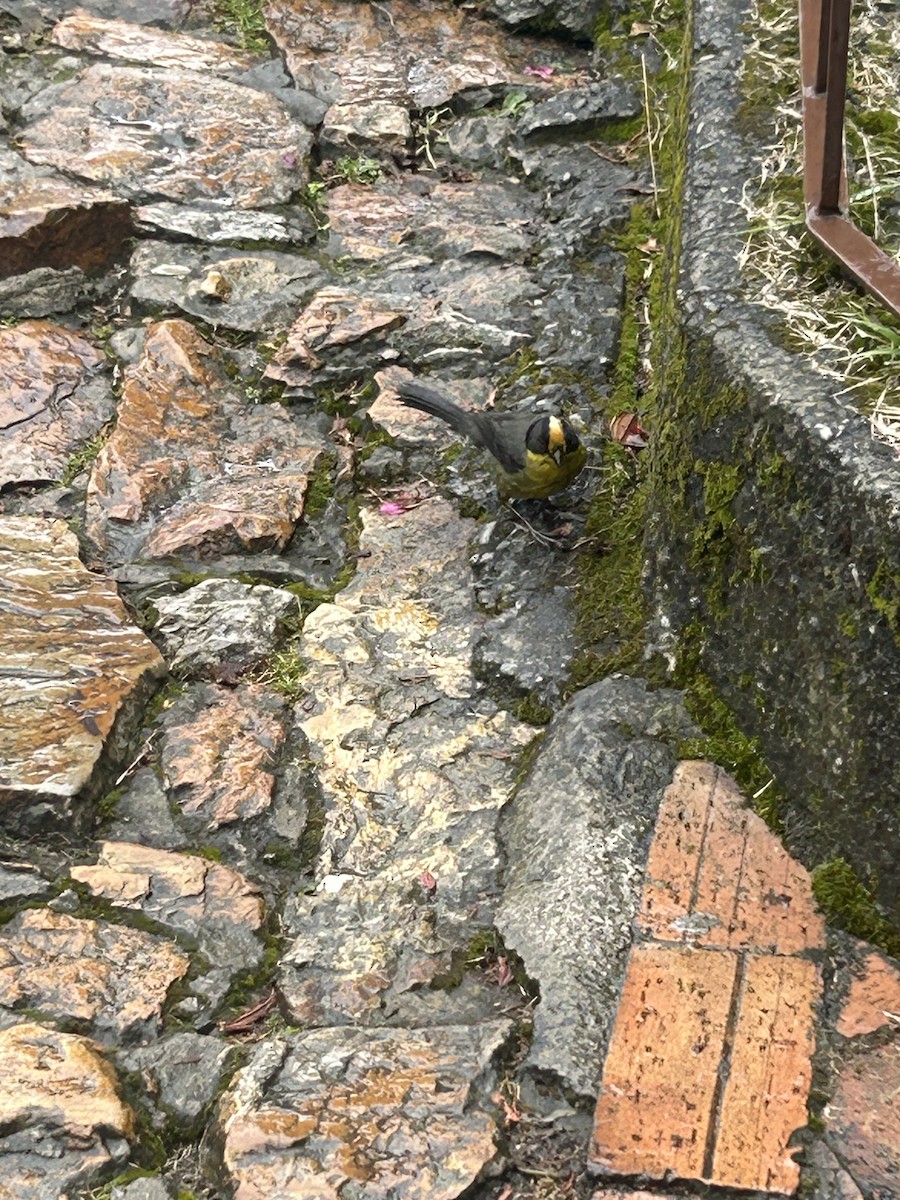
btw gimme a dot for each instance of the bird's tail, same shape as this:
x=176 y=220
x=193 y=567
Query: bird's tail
x=426 y=399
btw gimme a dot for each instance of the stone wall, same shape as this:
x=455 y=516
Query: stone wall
x=774 y=530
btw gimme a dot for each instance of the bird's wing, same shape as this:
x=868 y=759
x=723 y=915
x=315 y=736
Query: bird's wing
x=503 y=434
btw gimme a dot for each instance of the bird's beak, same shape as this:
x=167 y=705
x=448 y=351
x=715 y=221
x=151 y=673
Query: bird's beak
x=557 y=455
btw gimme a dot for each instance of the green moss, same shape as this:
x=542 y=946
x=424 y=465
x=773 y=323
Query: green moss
x=284 y=672
x=532 y=711
x=883 y=590
x=319 y=487
x=848 y=623
x=724 y=743
x=245 y=19
x=358 y=170
x=313 y=831
x=84 y=456
x=847 y=902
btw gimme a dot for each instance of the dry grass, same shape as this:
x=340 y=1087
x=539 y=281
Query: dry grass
x=851 y=336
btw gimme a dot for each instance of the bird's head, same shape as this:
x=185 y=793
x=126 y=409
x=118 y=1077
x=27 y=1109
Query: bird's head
x=552 y=436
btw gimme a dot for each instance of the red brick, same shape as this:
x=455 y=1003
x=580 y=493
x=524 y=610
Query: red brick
x=767 y=1087
x=873 y=999
x=718 y=876
x=657 y=1097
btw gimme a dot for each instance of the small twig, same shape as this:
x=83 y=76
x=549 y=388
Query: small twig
x=650 y=134
x=542 y=538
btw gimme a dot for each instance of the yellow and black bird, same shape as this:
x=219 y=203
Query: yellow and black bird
x=536 y=456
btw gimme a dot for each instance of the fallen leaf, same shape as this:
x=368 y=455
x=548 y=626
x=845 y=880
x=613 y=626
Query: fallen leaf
x=626 y=430
x=639 y=27
x=427 y=881
x=651 y=246
x=393 y=508
x=542 y=72
x=250 y=1017
x=504 y=974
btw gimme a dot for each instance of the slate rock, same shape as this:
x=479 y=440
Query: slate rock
x=580 y=111
x=247 y=290
x=108 y=979
x=413 y=57
x=54 y=396
x=576 y=837
x=142 y=814
x=341 y=1112
x=126 y=41
x=217 y=226
x=74 y=665
x=578 y=18
x=168 y=134
x=43 y=291
x=192 y=473
x=220 y=749
x=414 y=766
x=375 y=127
x=183 y=1073
x=222 y=621
x=51 y=223
x=64 y=1125
x=146 y=1188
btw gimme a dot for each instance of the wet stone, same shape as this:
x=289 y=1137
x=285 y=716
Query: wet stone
x=380 y=1113
x=192 y=471
x=440 y=220
x=873 y=997
x=581 y=111
x=220 y=750
x=222 y=621
x=174 y=134
x=64 y=1126
x=414 y=766
x=576 y=17
x=106 y=978
x=575 y=880
x=54 y=396
x=416 y=56
x=183 y=1074
x=18 y=880
x=43 y=291
x=375 y=127
x=225 y=226
x=124 y=41
x=236 y=289
x=192 y=896
x=74 y=664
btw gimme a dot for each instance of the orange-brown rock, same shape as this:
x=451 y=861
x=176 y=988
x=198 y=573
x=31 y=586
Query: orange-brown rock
x=46 y=221
x=111 y=978
x=180 y=135
x=333 y=319
x=72 y=663
x=384 y=1112
x=181 y=891
x=127 y=42
x=718 y=876
x=873 y=999
x=219 y=757
x=418 y=56
x=54 y=396
x=191 y=468
x=61 y=1097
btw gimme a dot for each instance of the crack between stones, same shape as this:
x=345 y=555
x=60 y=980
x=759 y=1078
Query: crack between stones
x=724 y=1072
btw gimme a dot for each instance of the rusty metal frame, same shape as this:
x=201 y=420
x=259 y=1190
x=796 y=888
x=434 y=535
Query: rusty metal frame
x=824 y=38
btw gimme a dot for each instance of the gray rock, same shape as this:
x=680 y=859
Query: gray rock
x=580 y=111
x=142 y=1189
x=249 y=290
x=480 y=141
x=18 y=880
x=578 y=18
x=576 y=840
x=43 y=291
x=142 y=814
x=183 y=1074
x=413 y=1104
x=217 y=226
x=377 y=126
x=221 y=620
x=271 y=77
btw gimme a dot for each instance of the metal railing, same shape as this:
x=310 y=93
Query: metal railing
x=824 y=41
